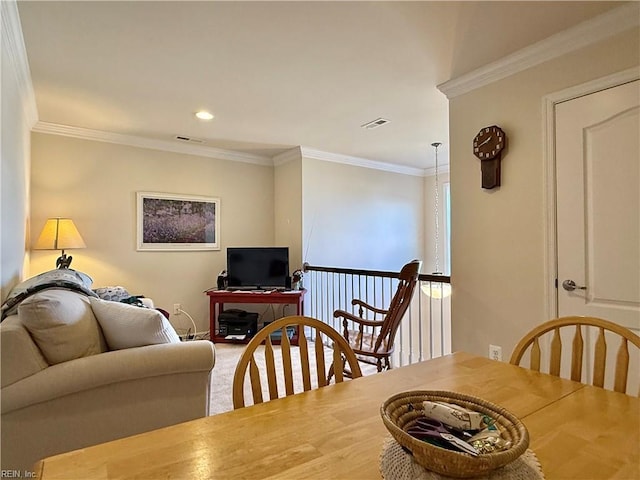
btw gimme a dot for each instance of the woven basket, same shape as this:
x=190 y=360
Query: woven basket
x=403 y=408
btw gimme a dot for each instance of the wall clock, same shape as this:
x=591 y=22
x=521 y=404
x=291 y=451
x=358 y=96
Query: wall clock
x=488 y=145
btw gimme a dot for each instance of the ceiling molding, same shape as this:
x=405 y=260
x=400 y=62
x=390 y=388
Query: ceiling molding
x=586 y=33
x=431 y=171
x=361 y=162
x=221 y=154
x=17 y=53
x=286 y=157
x=153 y=144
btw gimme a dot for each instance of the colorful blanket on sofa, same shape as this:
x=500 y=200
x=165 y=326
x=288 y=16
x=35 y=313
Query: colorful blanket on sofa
x=64 y=278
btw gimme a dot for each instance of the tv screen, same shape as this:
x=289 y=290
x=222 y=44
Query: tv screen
x=257 y=267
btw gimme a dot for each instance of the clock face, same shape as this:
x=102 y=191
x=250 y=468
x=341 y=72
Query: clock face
x=489 y=142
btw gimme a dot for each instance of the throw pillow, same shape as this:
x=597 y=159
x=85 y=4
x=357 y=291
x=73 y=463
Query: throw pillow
x=62 y=324
x=127 y=326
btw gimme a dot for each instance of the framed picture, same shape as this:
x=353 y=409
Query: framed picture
x=177 y=222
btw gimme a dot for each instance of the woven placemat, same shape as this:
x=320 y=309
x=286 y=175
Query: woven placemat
x=396 y=464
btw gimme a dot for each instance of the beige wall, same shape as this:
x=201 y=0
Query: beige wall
x=498 y=236
x=288 y=209
x=358 y=217
x=14 y=177
x=352 y=216
x=96 y=183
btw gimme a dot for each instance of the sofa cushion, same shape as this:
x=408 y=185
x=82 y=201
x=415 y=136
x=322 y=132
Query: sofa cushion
x=62 y=324
x=128 y=326
x=21 y=357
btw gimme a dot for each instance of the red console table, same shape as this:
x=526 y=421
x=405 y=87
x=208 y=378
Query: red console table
x=217 y=299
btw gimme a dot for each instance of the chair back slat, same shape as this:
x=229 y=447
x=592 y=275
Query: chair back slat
x=271 y=367
x=337 y=361
x=248 y=365
x=320 y=365
x=287 y=366
x=622 y=367
x=254 y=376
x=619 y=377
x=556 y=353
x=600 y=359
x=535 y=355
x=304 y=362
x=576 y=355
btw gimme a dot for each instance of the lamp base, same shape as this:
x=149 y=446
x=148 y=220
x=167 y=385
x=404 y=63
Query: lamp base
x=63 y=261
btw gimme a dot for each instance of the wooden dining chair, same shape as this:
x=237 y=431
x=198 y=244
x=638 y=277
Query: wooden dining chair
x=311 y=355
x=371 y=334
x=580 y=324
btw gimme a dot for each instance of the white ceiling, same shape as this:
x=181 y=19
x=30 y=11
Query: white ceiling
x=275 y=74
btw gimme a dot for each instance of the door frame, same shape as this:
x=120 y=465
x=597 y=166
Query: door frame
x=549 y=165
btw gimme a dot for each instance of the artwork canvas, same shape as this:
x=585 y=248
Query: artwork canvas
x=177 y=222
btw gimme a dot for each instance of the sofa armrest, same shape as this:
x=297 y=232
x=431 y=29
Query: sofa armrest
x=108 y=368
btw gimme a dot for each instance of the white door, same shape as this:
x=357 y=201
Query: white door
x=598 y=205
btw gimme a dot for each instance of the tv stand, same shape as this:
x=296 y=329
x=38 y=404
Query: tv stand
x=217 y=299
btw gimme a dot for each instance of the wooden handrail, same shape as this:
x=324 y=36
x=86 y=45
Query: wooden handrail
x=374 y=273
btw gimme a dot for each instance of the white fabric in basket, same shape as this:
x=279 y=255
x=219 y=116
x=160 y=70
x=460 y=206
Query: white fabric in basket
x=396 y=464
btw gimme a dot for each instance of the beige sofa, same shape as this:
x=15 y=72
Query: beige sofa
x=73 y=375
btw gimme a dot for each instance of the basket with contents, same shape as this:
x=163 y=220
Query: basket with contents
x=454 y=434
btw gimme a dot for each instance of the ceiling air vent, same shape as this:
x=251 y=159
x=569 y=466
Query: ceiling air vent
x=378 y=122
x=184 y=138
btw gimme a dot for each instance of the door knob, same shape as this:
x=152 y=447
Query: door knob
x=570 y=286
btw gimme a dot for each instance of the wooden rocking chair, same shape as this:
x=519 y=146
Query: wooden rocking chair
x=374 y=344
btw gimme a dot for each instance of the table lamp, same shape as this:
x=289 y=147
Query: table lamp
x=60 y=234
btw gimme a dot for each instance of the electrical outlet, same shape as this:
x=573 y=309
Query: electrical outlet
x=176 y=308
x=495 y=352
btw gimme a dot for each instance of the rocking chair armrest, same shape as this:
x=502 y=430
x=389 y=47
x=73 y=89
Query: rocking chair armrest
x=362 y=304
x=356 y=319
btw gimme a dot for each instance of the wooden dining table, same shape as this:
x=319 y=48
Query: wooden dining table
x=336 y=432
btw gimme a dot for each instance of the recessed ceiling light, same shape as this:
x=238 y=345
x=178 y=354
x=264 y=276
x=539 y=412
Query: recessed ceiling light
x=204 y=115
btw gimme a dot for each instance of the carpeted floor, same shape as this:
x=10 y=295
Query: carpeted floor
x=227 y=356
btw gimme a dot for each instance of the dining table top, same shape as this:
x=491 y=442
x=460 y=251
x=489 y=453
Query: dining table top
x=576 y=431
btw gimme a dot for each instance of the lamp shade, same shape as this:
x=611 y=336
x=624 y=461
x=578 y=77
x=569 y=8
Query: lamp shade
x=59 y=234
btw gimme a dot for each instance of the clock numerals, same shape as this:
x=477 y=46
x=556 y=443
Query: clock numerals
x=489 y=142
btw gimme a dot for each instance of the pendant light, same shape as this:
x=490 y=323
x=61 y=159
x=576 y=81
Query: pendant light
x=434 y=289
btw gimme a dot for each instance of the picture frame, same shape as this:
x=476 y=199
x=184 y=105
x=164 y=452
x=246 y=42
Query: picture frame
x=168 y=221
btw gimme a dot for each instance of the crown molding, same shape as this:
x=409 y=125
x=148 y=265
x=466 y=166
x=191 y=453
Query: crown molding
x=586 y=33
x=360 y=162
x=431 y=171
x=153 y=144
x=221 y=154
x=17 y=53
x=288 y=156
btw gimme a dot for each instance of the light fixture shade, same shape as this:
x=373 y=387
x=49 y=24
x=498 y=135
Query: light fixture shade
x=437 y=291
x=59 y=234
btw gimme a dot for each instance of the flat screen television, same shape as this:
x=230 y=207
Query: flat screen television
x=257 y=267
